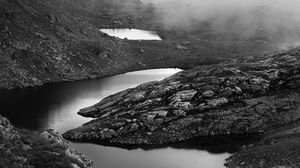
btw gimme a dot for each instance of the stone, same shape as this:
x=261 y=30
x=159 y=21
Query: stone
x=161 y=113
x=138 y=96
x=148 y=117
x=107 y=133
x=217 y=102
x=54 y=137
x=180 y=47
x=179 y=113
x=182 y=105
x=185 y=95
x=134 y=127
x=208 y=93
x=7 y=131
x=227 y=92
x=238 y=90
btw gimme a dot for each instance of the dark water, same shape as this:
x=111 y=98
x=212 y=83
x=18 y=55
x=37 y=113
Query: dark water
x=132 y=34
x=55 y=106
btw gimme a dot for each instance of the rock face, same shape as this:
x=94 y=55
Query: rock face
x=244 y=97
x=26 y=149
x=78 y=159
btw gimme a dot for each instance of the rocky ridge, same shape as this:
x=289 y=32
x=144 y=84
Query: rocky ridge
x=243 y=97
x=23 y=148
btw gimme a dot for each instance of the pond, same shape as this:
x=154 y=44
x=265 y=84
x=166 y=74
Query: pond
x=132 y=34
x=55 y=106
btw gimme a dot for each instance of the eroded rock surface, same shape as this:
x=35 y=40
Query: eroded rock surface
x=248 y=96
x=26 y=149
x=78 y=159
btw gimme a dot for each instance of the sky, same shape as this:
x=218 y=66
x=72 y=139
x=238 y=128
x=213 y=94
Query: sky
x=242 y=16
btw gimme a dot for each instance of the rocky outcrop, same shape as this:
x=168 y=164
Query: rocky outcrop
x=26 y=149
x=244 y=97
x=78 y=159
x=276 y=150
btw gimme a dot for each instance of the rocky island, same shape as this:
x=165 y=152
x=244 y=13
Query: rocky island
x=257 y=96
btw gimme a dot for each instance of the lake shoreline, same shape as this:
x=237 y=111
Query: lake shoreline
x=214 y=100
x=65 y=99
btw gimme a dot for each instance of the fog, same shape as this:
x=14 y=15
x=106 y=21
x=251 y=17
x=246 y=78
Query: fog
x=271 y=19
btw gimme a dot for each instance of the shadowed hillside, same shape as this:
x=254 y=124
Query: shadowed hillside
x=50 y=41
x=45 y=41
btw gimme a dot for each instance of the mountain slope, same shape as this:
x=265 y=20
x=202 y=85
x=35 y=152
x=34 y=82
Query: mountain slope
x=49 y=41
x=44 y=41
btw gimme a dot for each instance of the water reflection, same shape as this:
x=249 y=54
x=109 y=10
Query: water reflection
x=132 y=34
x=55 y=106
x=109 y=157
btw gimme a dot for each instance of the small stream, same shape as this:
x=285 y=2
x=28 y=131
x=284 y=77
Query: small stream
x=55 y=106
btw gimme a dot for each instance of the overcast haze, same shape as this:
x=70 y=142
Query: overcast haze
x=276 y=17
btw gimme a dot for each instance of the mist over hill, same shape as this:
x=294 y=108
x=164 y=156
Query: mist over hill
x=265 y=20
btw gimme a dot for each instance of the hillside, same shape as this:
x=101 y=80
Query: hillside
x=232 y=85
x=23 y=148
x=42 y=41
x=52 y=41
